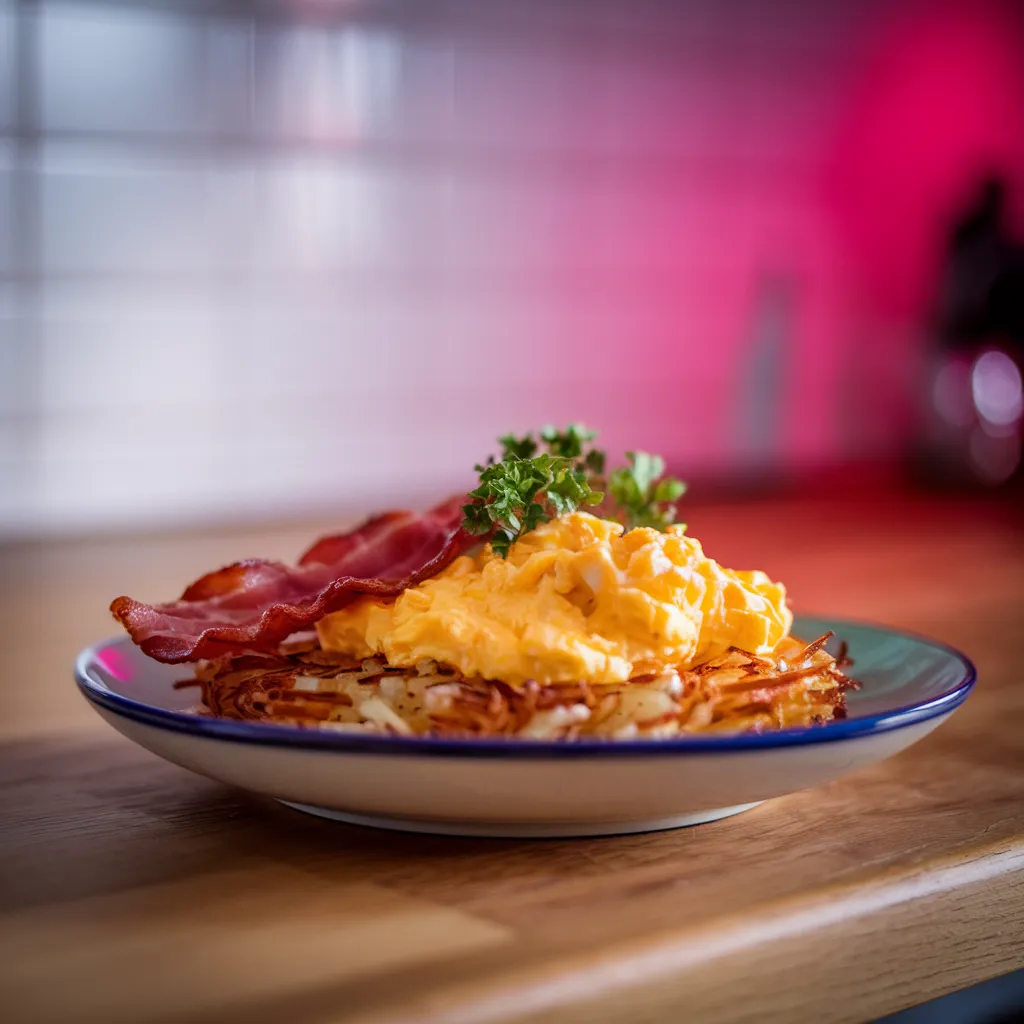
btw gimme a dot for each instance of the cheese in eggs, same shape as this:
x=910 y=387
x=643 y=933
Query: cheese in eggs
x=578 y=598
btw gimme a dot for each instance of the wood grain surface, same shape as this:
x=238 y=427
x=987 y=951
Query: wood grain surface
x=131 y=890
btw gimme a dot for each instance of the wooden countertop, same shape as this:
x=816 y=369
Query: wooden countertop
x=131 y=890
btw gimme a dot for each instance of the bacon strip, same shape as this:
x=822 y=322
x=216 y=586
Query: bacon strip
x=254 y=605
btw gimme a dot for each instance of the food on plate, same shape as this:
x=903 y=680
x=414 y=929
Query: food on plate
x=557 y=600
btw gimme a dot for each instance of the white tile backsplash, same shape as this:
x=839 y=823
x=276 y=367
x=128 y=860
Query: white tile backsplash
x=321 y=258
x=338 y=84
x=113 y=68
x=8 y=97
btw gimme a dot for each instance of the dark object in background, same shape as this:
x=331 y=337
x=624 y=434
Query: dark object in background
x=980 y=254
x=973 y=405
x=1007 y=297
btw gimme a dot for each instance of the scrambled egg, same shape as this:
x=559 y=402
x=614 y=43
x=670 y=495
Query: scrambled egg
x=576 y=599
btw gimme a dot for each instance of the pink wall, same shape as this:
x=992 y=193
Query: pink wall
x=303 y=264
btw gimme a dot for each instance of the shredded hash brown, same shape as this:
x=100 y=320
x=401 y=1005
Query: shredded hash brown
x=801 y=684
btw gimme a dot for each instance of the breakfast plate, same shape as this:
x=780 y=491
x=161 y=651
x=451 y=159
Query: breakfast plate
x=500 y=786
x=548 y=654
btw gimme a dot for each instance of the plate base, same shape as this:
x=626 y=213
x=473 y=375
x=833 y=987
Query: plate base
x=521 y=829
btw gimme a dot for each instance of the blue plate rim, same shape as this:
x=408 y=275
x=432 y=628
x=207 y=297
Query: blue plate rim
x=259 y=734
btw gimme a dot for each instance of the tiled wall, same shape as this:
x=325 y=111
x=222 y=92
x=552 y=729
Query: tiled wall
x=259 y=258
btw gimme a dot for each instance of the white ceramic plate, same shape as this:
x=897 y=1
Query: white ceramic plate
x=536 y=788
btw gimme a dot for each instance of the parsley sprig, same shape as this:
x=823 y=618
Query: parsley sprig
x=517 y=447
x=517 y=494
x=573 y=443
x=644 y=497
x=524 y=489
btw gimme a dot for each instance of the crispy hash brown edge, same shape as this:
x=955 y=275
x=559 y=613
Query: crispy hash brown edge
x=799 y=685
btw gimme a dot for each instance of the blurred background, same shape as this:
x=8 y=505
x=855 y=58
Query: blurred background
x=313 y=256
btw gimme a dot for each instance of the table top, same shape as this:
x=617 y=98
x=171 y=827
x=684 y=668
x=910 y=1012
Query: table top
x=131 y=890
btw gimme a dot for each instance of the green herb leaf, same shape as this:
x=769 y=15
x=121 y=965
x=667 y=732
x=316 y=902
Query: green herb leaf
x=525 y=489
x=669 y=489
x=521 y=447
x=594 y=462
x=568 y=443
x=517 y=494
x=643 y=499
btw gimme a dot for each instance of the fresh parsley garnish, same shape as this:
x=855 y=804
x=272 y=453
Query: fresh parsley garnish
x=517 y=494
x=520 y=447
x=574 y=443
x=568 y=443
x=643 y=496
x=525 y=489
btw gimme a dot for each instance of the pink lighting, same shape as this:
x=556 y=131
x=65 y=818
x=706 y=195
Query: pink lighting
x=937 y=105
x=116 y=663
x=731 y=239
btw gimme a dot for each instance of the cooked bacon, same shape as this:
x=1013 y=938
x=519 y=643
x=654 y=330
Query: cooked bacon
x=254 y=605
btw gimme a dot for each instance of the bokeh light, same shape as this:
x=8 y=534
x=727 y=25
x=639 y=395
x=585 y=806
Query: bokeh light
x=951 y=392
x=996 y=389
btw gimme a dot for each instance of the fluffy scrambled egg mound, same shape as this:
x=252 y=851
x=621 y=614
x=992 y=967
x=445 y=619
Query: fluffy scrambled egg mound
x=576 y=599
